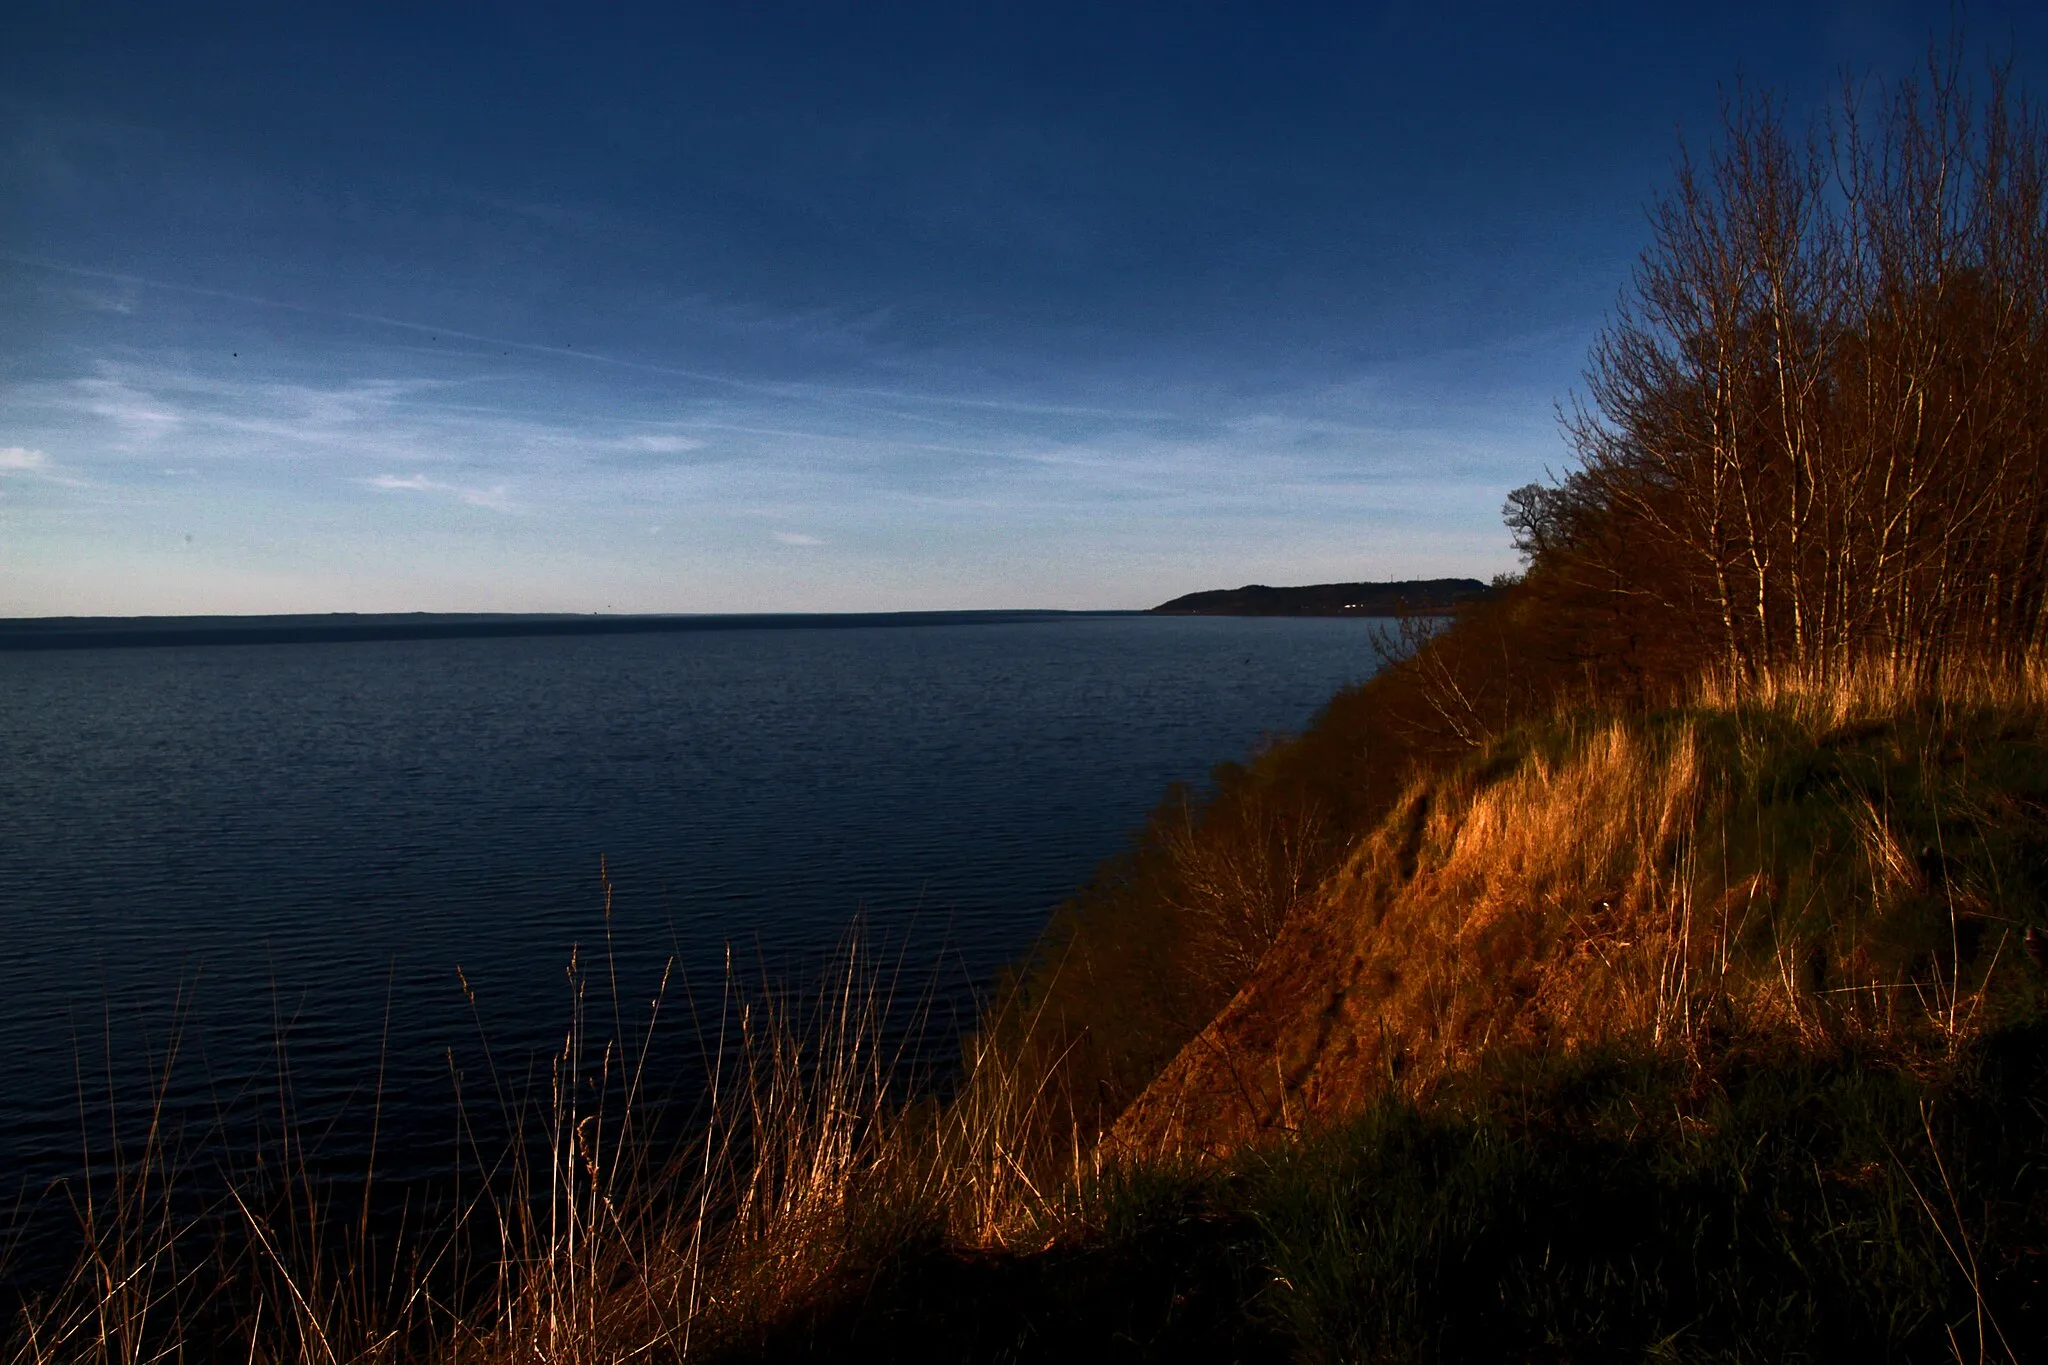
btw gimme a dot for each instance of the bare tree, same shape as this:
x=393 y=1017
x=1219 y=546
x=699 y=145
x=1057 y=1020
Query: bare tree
x=1815 y=424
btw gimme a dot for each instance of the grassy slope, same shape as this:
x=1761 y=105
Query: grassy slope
x=1138 y=963
x=1601 y=1207
x=1829 y=866
x=1703 y=1033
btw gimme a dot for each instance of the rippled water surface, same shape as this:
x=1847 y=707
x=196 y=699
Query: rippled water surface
x=222 y=847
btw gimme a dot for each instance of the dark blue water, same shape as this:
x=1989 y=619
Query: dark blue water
x=225 y=847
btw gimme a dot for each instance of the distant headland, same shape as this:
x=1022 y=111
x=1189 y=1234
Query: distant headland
x=1426 y=596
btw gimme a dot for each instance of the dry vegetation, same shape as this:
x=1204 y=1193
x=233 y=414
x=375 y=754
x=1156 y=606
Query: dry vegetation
x=1796 y=862
x=1823 y=400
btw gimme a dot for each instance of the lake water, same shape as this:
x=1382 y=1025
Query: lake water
x=223 y=847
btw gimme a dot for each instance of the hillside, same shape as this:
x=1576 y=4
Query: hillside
x=1816 y=867
x=1714 y=1032
x=1412 y=596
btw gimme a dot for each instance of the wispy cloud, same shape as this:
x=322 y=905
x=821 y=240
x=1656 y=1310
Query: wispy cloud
x=184 y=418
x=142 y=417
x=828 y=395
x=121 y=301
x=644 y=451
x=471 y=437
x=20 y=461
x=624 y=481
x=662 y=445
x=495 y=498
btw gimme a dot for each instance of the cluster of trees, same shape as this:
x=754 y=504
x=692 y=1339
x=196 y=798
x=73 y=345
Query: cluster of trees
x=1818 y=425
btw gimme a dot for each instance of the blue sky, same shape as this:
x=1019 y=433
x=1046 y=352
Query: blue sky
x=734 y=307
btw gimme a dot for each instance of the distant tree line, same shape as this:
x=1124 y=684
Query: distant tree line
x=1815 y=429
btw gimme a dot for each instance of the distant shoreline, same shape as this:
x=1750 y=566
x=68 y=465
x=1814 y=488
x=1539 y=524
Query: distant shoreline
x=1413 y=596
x=20 y=634
x=129 y=632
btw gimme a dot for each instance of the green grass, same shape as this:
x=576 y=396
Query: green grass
x=1774 y=1218
x=1590 y=1209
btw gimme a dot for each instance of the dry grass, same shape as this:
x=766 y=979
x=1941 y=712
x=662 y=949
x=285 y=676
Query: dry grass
x=589 y=1237
x=1242 y=874
x=1596 y=887
x=1750 y=864
x=1540 y=903
x=1879 y=688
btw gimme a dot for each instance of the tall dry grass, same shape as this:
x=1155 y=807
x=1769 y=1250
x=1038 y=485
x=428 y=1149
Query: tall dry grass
x=1879 y=688
x=1814 y=861
x=1597 y=888
x=1623 y=844
x=596 y=1232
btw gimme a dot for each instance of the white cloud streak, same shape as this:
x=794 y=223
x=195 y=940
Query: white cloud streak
x=662 y=445
x=495 y=499
x=22 y=462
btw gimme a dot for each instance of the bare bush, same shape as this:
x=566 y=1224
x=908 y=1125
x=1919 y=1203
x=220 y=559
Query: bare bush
x=1815 y=432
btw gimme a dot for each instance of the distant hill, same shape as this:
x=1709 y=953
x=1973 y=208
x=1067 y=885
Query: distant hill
x=1424 y=595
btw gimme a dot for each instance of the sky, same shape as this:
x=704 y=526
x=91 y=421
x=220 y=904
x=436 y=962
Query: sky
x=713 y=307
